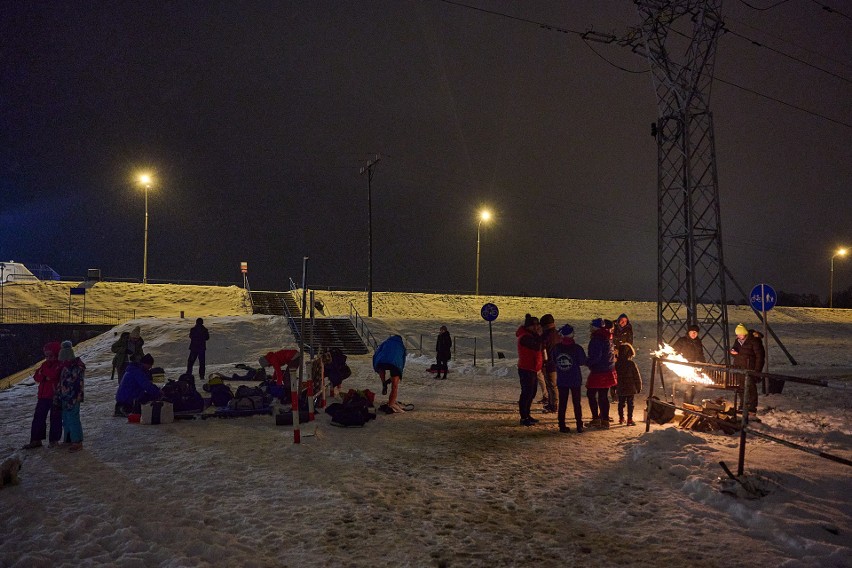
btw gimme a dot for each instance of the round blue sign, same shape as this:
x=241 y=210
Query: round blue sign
x=762 y=297
x=489 y=312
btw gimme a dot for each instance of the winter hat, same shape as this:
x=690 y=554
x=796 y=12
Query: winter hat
x=52 y=347
x=597 y=323
x=566 y=330
x=623 y=316
x=530 y=320
x=199 y=321
x=626 y=352
x=263 y=362
x=693 y=327
x=67 y=352
x=607 y=324
x=148 y=359
x=741 y=330
x=136 y=333
x=546 y=319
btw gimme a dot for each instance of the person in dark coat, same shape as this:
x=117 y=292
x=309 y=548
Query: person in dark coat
x=629 y=381
x=568 y=357
x=119 y=360
x=748 y=353
x=443 y=349
x=47 y=378
x=198 y=337
x=530 y=359
x=623 y=331
x=136 y=388
x=690 y=346
x=549 y=337
x=601 y=363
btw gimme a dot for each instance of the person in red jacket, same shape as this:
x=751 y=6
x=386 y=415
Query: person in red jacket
x=277 y=359
x=530 y=360
x=47 y=377
x=601 y=363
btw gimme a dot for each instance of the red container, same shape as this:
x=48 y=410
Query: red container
x=134 y=418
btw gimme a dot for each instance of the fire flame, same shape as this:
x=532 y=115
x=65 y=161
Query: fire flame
x=688 y=374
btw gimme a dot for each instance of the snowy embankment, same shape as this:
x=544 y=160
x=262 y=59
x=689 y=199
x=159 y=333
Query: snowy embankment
x=457 y=482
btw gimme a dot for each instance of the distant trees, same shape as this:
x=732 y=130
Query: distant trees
x=799 y=300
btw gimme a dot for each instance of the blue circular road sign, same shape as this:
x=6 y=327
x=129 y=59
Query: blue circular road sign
x=762 y=297
x=489 y=312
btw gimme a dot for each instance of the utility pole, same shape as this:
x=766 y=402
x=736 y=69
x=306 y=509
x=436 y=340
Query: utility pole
x=371 y=164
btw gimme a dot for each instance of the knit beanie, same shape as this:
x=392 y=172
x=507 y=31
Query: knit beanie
x=67 y=352
x=148 y=358
x=741 y=330
x=546 y=319
x=597 y=323
x=566 y=330
x=530 y=320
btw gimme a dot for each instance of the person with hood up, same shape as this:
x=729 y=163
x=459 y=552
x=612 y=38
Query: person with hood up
x=568 y=357
x=119 y=360
x=47 y=378
x=748 y=353
x=549 y=338
x=134 y=346
x=601 y=363
x=136 y=388
x=629 y=381
x=389 y=357
x=530 y=360
x=623 y=331
x=198 y=337
x=443 y=350
x=70 y=395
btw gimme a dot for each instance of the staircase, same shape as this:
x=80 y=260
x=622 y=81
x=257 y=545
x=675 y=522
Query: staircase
x=327 y=332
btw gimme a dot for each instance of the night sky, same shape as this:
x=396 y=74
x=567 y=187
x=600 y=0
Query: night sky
x=256 y=117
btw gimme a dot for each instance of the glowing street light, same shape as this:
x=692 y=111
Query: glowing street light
x=840 y=252
x=484 y=215
x=145 y=180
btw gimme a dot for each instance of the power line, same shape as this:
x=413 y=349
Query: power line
x=764 y=9
x=611 y=63
x=830 y=10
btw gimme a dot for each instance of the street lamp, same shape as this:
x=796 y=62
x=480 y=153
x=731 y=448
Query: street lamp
x=840 y=252
x=484 y=215
x=145 y=179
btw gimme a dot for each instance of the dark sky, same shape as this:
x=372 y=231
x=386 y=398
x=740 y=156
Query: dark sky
x=256 y=118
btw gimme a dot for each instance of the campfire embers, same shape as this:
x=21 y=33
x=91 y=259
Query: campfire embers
x=715 y=415
x=685 y=372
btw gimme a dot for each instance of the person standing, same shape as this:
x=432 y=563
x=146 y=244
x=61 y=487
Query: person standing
x=134 y=346
x=690 y=346
x=119 y=361
x=389 y=357
x=629 y=381
x=549 y=338
x=47 y=378
x=601 y=363
x=530 y=361
x=748 y=353
x=70 y=395
x=443 y=349
x=198 y=337
x=568 y=357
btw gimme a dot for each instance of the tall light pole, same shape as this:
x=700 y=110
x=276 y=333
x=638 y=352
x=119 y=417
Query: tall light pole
x=484 y=215
x=840 y=252
x=145 y=179
x=369 y=169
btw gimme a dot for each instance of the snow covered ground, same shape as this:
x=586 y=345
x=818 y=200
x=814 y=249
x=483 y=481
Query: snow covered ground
x=457 y=482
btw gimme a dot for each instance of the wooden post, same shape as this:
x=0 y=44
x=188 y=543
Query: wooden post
x=741 y=464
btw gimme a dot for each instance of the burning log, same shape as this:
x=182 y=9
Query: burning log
x=710 y=416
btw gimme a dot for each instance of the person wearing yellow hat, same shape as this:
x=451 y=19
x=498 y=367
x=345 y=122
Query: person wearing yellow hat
x=747 y=353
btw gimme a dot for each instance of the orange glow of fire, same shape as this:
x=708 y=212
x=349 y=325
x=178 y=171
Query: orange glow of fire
x=688 y=374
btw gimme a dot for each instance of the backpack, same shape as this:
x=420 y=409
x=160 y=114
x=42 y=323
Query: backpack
x=248 y=398
x=355 y=410
x=182 y=394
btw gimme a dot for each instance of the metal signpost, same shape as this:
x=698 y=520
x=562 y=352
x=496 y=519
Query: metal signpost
x=489 y=313
x=763 y=299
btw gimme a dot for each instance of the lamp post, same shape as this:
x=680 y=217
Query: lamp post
x=2 y=288
x=371 y=164
x=840 y=252
x=145 y=179
x=484 y=215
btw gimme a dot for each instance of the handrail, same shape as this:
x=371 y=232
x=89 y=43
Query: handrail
x=362 y=328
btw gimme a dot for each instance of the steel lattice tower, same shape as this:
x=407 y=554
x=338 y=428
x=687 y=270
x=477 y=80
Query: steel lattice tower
x=680 y=43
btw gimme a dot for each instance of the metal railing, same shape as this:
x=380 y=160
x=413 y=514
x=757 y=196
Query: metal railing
x=65 y=315
x=362 y=328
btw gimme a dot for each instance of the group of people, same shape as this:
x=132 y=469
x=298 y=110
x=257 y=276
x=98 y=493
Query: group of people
x=60 y=392
x=552 y=357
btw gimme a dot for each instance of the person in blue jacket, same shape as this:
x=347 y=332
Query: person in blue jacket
x=136 y=388
x=568 y=357
x=390 y=358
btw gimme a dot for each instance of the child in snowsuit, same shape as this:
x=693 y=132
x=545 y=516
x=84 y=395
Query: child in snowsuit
x=629 y=381
x=70 y=395
x=47 y=377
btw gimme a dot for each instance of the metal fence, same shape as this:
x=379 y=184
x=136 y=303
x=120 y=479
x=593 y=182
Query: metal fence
x=65 y=315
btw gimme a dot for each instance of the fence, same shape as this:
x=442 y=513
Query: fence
x=738 y=381
x=65 y=315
